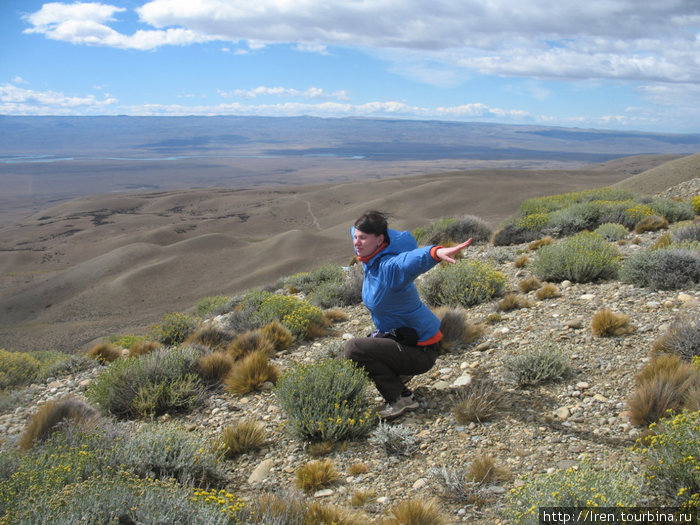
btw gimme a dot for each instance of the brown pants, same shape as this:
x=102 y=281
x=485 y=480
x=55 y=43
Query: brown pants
x=385 y=361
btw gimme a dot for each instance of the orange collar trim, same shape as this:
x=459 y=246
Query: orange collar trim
x=368 y=258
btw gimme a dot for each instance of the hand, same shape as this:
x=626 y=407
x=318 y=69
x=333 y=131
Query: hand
x=447 y=254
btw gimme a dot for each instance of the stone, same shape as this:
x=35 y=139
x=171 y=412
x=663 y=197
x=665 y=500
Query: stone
x=261 y=471
x=420 y=483
x=562 y=413
x=323 y=493
x=463 y=380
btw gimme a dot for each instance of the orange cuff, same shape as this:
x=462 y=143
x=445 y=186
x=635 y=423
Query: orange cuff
x=433 y=252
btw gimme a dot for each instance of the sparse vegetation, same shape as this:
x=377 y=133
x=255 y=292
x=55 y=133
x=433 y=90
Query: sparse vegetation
x=544 y=364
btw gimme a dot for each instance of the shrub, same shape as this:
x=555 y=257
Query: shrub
x=447 y=231
x=396 y=440
x=682 y=338
x=415 y=512
x=529 y=284
x=250 y=342
x=326 y=401
x=251 y=373
x=547 y=363
x=573 y=219
x=208 y=305
x=170 y=452
x=662 y=387
x=670 y=457
x=547 y=291
x=214 y=367
x=672 y=210
x=638 y=212
x=49 y=416
x=586 y=486
x=17 y=369
x=307 y=281
x=466 y=283
x=606 y=323
x=173 y=329
x=316 y=474
x=104 y=352
x=53 y=363
x=687 y=233
x=480 y=401
x=651 y=223
x=611 y=231
x=120 y=498
x=295 y=314
x=667 y=269
x=585 y=257
x=695 y=202
x=513 y=234
x=149 y=385
x=512 y=301
x=211 y=337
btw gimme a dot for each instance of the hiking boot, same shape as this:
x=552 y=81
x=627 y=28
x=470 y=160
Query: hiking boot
x=398 y=407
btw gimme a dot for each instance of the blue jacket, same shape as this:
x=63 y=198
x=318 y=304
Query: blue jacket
x=388 y=290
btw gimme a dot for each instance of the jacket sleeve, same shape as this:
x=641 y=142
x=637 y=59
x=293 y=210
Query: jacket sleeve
x=403 y=268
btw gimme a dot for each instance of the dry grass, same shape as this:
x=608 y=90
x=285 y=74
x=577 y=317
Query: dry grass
x=480 y=401
x=606 y=323
x=243 y=436
x=214 y=367
x=316 y=474
x=651 y=223
x=536 y=245
x=250 y=342
x=417 y=511
x=143 y=348
x=251 y=373
x=211 y=337
x=548 y=291
x=521 y=261
x=104 y=352
x=529 y=284
x=279 y=335
x=483 y=470
x=512 y=301
x=52 y=414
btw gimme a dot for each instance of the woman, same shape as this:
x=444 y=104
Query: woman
x=407 y=339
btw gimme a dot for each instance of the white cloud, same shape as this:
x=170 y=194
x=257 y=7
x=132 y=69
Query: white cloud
x=20 y=101
x=311 y=93
x=560 y=39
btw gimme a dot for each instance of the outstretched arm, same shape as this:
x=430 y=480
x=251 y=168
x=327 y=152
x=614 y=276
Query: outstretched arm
x=447 y=254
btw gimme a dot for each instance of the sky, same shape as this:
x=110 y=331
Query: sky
x=604 y=64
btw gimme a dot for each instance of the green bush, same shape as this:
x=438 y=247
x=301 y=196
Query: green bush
x=586 y=486
x=695 y=203
x=671 y=458
x=545 y=364
x=326 y=401
x=611 y=231
x=17 y=369
x=514 y=234
x=664 y=269
x=453 y=230
x=682 y=338
x=170 y=452
x=295 y=314
x=573 y=219
x=112 y=497
x=690 y=232
x=307 y=281
x=124 y=341
x=208 y=305
x=174 y=328
x=466 y=283
x=149 y=385
x=672 y=210
x=585 y=257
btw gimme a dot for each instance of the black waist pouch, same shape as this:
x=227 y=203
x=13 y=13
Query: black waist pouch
x=404 y=335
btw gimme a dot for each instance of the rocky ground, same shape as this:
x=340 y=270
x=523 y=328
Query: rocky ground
x=537 y=429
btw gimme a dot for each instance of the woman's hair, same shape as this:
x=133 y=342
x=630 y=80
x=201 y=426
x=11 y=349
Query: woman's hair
x=374 y=222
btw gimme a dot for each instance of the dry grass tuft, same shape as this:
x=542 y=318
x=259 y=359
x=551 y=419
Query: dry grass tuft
x=512 y=301
x=335 y=315
x=320 y=448
x=243 y=436
x=455 y=328
x=323 y=514
x=210 y=337
x=606 y=323
x=483 y=470
x=279 y=335
x=665 y=385
x=548 y=291
x=316 y=474
x=251 y=373
x=214 y=367
x=50 y=416
x=143 y=348
x=104 y=352
x=521 y=261
x=250 y=342
x=415 y=512
x=529 y=284
x=651 y=223
x=480 y=401
x=536 y=245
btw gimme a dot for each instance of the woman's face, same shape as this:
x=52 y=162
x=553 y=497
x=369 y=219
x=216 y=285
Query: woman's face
x=366 y=243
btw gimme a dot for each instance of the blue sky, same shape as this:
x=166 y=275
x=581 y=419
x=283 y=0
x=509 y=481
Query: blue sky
x=609 y=64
